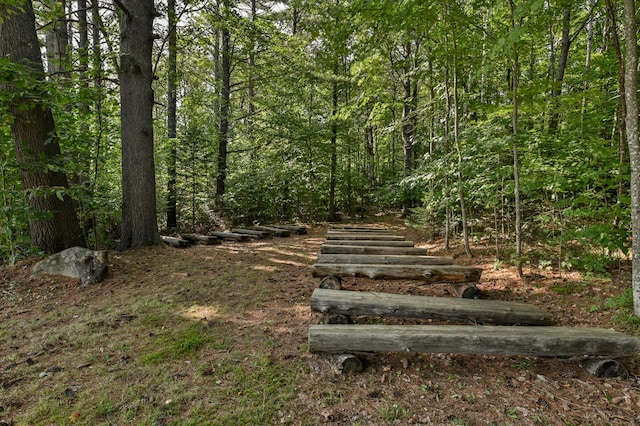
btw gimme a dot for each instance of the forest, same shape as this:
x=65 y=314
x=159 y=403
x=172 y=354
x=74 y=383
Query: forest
x=495 y=121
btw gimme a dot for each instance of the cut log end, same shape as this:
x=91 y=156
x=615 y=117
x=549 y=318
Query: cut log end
x=345 y=363
x=465 y=291
x=337 y=319
x=605 y=368
x=331 y=282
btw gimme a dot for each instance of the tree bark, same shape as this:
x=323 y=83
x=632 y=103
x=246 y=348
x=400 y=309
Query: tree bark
x=54 y=226
x=172 y=196
x=631 y=102
x=407 y=124
x=516 y=163
x=456 y=139
x=139 y=222
x=556 y=87
x=57 y=42
x=225 y=97
x=332 y=213
x=621 y=116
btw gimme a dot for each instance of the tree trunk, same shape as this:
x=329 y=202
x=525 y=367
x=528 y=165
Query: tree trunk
x=83 y=40
x=556 y=88
x=621 y=116
x=631 y=101
x=172 y=210
x=54 y=226
x=139 y=222
x=456 y=139
x=225 y=95
x=57 y=42
x=516 y=163
x=407 y=125
x=332 y=214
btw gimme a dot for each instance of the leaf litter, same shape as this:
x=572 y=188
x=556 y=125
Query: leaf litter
x=218 y=335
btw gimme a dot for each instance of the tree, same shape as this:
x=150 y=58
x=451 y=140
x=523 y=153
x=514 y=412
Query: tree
x=139 y=222
x=225 y=99
x=631 y=101
x=172 y=77
x=54 y=225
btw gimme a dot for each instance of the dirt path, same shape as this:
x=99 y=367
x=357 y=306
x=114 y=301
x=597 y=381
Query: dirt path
x=218 y=335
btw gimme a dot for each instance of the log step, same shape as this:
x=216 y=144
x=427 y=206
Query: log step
x=348 y=228
x=230 y=236
x=383 y=259
x=375 y=250
x=175 y=241
x=275 y=231
x=199 y=238
x=251 y=232
x=430 y=274
x=482 y=340
x=370 y=243
x=442 y=308
x=300 y=230
x=363 y=236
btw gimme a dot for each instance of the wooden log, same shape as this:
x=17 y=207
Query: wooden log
x=345 y=363
x=199 y=238
x=379 y=250
x=383 y=259
x=250 y=232
x=427 y=273
x=230 y=236
x=370 y=243
x=441 y=308
x=331 y=283
x=363 y=236
x=605 y=368
x=465 y=290
x=464 y=339
x=300 y=230
x=275 y=231
x=349 y=228
x=174 y=241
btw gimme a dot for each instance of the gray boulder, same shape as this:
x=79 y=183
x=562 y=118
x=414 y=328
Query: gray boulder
x=76 y=262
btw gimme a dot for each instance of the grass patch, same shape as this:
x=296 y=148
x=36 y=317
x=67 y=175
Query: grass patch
x=183 y=343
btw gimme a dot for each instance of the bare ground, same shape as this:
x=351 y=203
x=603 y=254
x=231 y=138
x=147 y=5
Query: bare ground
x=218 y=335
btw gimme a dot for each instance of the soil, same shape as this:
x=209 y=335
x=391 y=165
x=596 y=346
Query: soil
x=266 y=297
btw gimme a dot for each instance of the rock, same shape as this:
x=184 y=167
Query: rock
x=75 y=262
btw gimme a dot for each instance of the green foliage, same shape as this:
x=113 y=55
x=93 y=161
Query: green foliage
x=394 y=412
x=573 y=185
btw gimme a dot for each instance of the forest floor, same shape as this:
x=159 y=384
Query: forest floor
x=218 y=335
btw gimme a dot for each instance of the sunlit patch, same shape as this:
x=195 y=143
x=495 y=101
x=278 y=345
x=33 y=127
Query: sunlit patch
x=290 y=253
x=264 y=268
x=287 y=262
x=200 y=313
